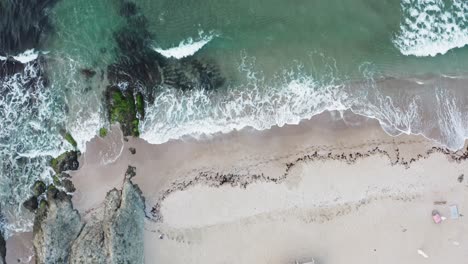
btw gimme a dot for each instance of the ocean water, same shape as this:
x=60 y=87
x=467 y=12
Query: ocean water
x=403 y=62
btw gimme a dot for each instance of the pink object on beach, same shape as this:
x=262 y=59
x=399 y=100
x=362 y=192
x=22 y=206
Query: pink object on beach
x=436 y=217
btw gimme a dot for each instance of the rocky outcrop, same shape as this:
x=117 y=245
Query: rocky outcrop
x=56 y=226
x=123 y=225
x=114 y=234
x=66 y=161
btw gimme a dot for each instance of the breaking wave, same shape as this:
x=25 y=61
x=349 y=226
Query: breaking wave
x=431 y=27
x=29 y=114
x=187 y=47
x=295 y=94
x=25 y=57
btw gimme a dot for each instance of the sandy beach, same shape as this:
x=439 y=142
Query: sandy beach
x=332 y=190
x=329 y=189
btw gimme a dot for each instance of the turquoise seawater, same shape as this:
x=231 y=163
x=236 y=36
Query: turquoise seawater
x=403 y=62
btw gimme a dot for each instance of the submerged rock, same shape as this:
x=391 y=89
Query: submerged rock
x=65 y=162
x=114 y=234
x=24 y=24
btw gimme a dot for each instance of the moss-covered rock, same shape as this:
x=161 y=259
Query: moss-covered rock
x=69 y=138
x=103 y=132
x=140 y=105
x=43 y=204
x=56 y=180
x=38 y=188
x=66 y=161
x=122 y=109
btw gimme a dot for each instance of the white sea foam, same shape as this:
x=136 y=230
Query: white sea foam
x=431 y=27
x=294 y=96
x=27 y=138
x=186 y=47
x=27 y=56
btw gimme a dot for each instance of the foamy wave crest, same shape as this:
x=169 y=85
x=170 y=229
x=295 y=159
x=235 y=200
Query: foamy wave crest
x=186 y=47
x=25 y=57
x=295 y=95
x=28 y=119
x=431 y=27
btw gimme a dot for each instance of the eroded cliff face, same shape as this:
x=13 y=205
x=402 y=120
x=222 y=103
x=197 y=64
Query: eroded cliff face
x=114 y=234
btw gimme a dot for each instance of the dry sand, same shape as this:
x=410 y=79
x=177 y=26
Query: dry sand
x=333 y=190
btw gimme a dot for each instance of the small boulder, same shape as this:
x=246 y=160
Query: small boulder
x=131 y=172
x=88 y=73
x=132 y=150
x=65 y=162
x=68 y=185
x=38 y=188
x=31 y=204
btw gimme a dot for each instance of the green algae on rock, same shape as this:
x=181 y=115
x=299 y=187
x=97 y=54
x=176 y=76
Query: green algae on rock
x=140 y=105
x=122 y=109
x=103 y=132
x=66 y=161
x=38 y=188
x=69 y=138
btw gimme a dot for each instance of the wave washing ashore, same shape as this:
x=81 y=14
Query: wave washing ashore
x=55 y=101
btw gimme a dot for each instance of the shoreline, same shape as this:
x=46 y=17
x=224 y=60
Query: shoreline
x=263 y=179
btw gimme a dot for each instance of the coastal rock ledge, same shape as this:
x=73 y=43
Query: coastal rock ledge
x=113 y=234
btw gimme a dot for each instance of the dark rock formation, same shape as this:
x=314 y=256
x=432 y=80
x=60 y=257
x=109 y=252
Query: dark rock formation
x=65 y=162
x=68 y=185
x=38 y=188
x=132 y=150
x=114 y=234
x=31 y=204
x=88 y=73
